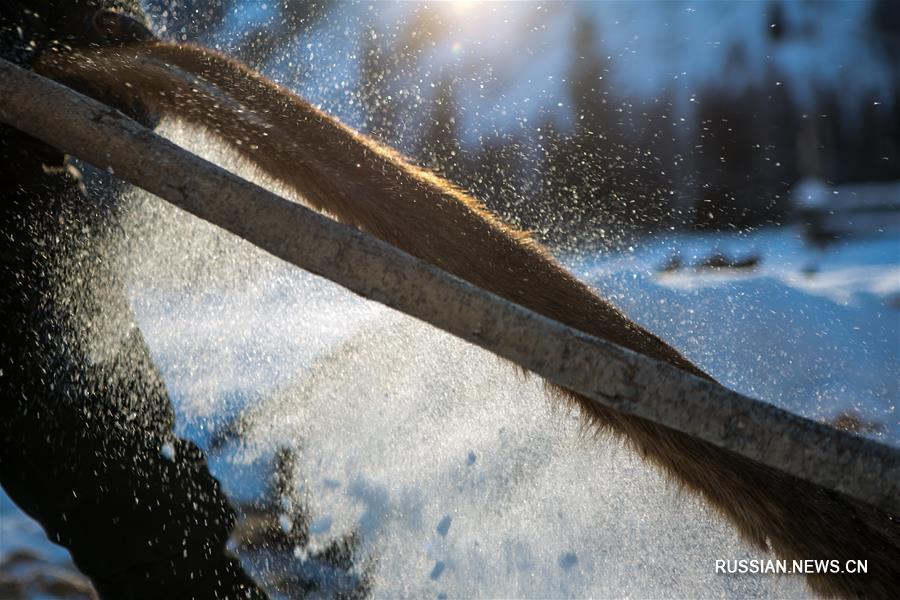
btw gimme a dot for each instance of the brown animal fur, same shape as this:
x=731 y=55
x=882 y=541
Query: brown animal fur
x=369 y=186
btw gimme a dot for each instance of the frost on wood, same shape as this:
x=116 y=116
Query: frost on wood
x=861 y=468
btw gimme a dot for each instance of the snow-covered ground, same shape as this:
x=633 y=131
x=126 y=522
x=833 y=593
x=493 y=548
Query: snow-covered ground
x=456 y=475
x=815 y=330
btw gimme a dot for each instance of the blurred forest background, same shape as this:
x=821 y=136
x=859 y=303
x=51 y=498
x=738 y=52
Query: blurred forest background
x=592 y=121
